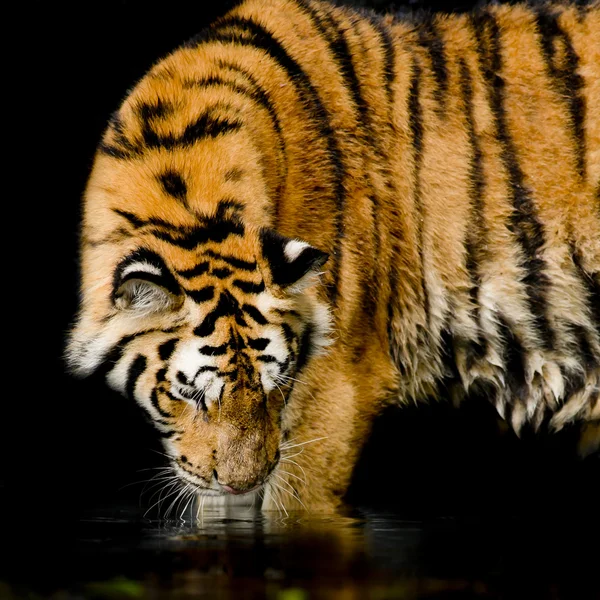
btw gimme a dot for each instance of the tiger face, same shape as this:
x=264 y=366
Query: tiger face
x=206 y=328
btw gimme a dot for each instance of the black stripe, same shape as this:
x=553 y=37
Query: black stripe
x=228 y=208
x=476 y=238
x=135 y=371
x=387 y=43
x=258 y=343
x=591 y=284
x=168 y=434
x=236 y=342
x=115 y=151
x=249 y=287
x=182 y=378
x=238 y=263
x=256 y=93
x=138 y=222
x=214 y=350
x=255 y=314
x=225 y=307
x=448 y=346
x=222 y=273
x=589 y=359
x=116 y=353
x=239 y=319
x=174 y=185
x=267 y=358
x=255 y=35
x=124 y=149
x=566 y=78
x=287 y=312
x=334 y=33
x=305 y=349
x=155 y=403
x=330 y=30
x=431 y=40
x=216 y=230
x=114 y=356
x=514 y=359
x=206 y=368
x=159 y=109
x=166 y=349
x=202 y=295
x=415 y=118
x=205 y=126
x=523 y=221
x=199 y=269
x=133 y=219
x=289 y=334
x=370 y=296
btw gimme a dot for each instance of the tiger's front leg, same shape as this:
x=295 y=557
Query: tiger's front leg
x=325 y=425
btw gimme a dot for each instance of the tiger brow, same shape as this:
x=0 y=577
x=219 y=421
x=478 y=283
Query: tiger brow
x=233 y=261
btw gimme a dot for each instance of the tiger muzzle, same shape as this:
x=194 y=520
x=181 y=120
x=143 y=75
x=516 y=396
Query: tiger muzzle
x=244 y=460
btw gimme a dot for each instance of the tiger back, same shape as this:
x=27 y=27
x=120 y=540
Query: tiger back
x=308 y=213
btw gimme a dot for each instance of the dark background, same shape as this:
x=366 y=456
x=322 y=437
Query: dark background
x=71 y=446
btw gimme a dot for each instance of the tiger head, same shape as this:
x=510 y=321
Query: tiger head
x=205 y=325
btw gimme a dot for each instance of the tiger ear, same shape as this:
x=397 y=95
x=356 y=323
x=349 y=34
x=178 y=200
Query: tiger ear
x=291 y=261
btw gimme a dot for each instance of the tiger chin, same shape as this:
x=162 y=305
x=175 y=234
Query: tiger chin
x=307 y=214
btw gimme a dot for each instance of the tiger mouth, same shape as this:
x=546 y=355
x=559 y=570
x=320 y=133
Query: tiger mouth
x=209 y=492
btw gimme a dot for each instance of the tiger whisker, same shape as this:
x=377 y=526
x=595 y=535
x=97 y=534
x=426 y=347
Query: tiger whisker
x=287 y=445
x=281 y=392
x=278 y=501
x=293 y=475
x=156 y=480
x=201 y=510
x=146 y=481
x=283 y=490
x=160 y=499
x=161 y=490
x=177 y=497
x=293 y=491
x=161 y=453
x=173 y=484
x=191 y=494
x=293 y=455
x=293 y=379
x=293 y=462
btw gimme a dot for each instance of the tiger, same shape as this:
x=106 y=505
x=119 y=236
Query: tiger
x=310 y=212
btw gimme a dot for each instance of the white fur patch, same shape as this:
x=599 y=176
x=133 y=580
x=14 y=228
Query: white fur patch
x=143 y=267
x=293 y=249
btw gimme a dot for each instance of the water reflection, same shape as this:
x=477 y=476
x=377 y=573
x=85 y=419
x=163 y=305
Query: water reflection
x=243 y=553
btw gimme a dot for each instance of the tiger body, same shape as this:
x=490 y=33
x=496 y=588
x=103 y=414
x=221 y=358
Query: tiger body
x=450 y=169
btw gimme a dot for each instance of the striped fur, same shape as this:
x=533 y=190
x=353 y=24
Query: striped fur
x=450 y=168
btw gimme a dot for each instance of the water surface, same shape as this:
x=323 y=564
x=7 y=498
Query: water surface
x=241 y=553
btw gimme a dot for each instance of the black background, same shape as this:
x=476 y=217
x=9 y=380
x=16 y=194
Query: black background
x=71 y=446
